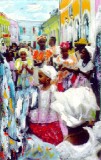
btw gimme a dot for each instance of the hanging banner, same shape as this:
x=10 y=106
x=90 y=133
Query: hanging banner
x=6 y=35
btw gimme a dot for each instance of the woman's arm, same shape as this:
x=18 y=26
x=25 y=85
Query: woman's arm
x=76 y=70
x=87 y=74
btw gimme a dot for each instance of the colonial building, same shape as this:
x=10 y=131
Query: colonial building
x=77 y=17
x=14 y=32
x=51 y=27
x=4 y=29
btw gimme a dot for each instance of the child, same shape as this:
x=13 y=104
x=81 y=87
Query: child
x=76 y=106
x=44 y=122
x=24 y=69
x=25 y=86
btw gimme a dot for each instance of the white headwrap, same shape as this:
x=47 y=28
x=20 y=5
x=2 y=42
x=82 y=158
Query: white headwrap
x=75 y=106
x=49 y=71
x=23 y=50
x=91 y=50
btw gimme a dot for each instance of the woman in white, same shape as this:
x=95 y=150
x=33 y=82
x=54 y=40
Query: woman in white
x=85 y=67
x=76 y=106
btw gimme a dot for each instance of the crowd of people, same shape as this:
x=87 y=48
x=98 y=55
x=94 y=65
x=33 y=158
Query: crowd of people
x=49 y=109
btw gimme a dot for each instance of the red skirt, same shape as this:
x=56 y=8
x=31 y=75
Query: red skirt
x=60 y=87
x=48 y=132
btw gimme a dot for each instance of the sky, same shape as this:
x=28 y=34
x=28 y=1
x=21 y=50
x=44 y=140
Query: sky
x=28 y=10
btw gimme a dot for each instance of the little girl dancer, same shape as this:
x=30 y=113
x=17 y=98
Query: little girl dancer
x=44 y=122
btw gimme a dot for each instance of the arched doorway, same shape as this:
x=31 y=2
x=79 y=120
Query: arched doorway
x=86 y=27
x=77 y=30
x=70 y=32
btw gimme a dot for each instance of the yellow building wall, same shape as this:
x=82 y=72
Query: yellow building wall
x=86 y=5
x=62 y=16
x=4 y=28
x=76 y=7
x=65 y=12
x=64 y=3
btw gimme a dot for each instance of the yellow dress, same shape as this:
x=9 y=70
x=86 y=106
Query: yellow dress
x=24 y=79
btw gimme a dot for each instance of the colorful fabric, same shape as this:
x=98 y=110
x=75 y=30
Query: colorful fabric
x=45 y=116
x=41 y=37
x=7 y=104
x=40 y=56
x=64 y=45
x=69 y=62
x=19 y=63
x=35 y=149
x=25 y=79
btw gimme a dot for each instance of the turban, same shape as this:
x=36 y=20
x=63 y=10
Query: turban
x=91 y=51
x=23 y=50
x=64 y=45
x=41 y=37
x=49 y=71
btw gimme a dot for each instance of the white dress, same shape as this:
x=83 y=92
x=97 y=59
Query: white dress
x=65 y=62
x=44 y=114
x=86 y=151
x=87 y=68
x=81 y=79
x=76 y=105
x=55 y=50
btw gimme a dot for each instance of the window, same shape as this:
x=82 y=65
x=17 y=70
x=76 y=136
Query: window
x=77 y=28
x=86 y=27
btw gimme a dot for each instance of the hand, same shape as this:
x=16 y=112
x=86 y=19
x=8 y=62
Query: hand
x=26 y=66
x=23 y=66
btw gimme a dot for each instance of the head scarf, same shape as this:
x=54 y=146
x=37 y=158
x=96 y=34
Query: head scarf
x=49 y=71
x=41 y=37
x=64 y=45
x=91 y=51
x=23 y=50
